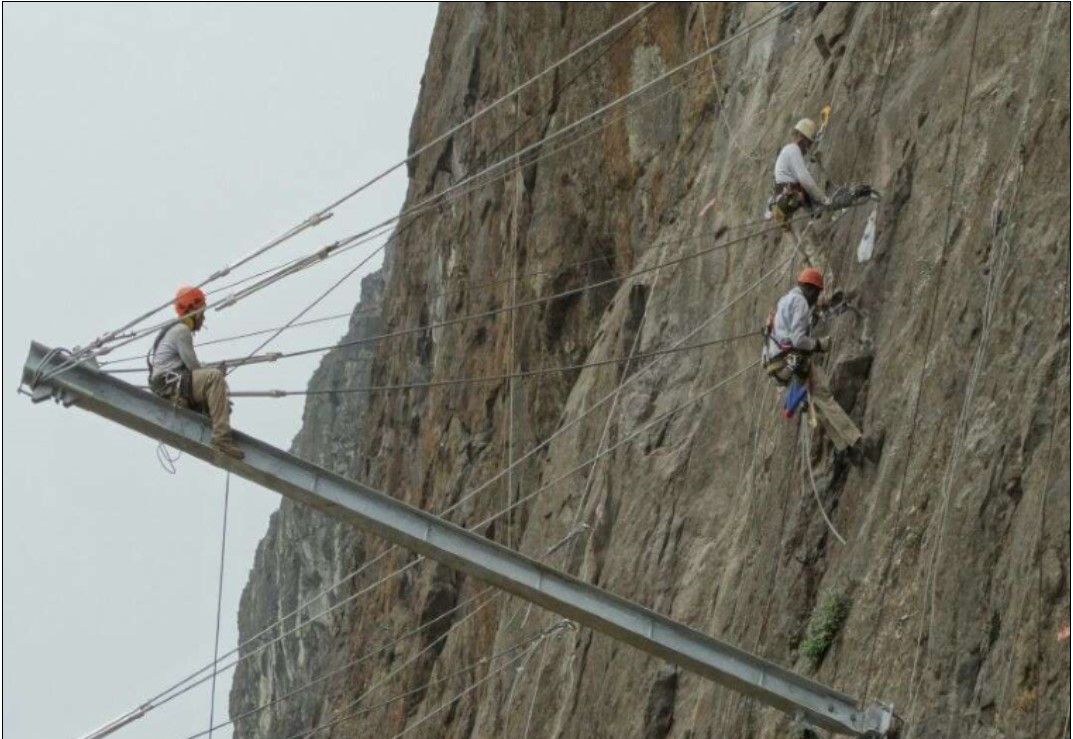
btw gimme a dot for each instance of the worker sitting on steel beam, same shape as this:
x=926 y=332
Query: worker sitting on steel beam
x=787 y=355
x=176 y=374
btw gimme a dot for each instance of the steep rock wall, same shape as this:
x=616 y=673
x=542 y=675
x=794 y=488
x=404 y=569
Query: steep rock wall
x=947 y=594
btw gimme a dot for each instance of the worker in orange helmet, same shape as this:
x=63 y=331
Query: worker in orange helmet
x=787 y=355
x=176 y=374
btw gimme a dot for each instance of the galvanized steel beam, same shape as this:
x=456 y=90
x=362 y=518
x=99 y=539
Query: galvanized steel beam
x=380 y=514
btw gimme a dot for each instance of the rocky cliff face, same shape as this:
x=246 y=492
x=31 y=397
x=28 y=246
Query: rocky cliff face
x=947 y=593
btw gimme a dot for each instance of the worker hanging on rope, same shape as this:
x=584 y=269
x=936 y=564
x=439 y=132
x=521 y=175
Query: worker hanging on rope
x=788 y=351
x=795 y=187
x=176 y=374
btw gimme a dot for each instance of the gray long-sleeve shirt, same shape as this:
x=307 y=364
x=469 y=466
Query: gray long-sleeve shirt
x=793 y=327
x=175 y=351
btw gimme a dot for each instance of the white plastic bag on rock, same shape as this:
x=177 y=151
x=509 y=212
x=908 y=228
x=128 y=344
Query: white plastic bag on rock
x=868 y=240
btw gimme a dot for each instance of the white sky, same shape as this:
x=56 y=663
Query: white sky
x=144 y=146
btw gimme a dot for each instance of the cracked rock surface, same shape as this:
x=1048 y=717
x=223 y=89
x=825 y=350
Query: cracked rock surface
x=954 y=575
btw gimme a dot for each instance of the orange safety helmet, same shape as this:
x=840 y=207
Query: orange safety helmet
x=811 y=276
x=188 y=299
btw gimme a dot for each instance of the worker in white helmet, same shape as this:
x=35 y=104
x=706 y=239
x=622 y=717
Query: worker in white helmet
x=795 y=186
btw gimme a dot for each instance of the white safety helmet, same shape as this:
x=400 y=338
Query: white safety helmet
x=807 y=128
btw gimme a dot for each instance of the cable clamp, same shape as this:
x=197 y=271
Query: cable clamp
x=317 y=218
x=564 y=624
x=103 y=339
x=324 y=252
x=573 y=533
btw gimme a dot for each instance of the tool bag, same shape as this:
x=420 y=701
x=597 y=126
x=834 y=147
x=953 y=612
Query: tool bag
x=788 y=367
x=786 y=199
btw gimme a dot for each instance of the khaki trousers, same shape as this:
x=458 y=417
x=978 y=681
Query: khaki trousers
x=839 y=427
x=209 y=389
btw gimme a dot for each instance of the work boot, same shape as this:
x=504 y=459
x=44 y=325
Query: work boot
x=227 y=446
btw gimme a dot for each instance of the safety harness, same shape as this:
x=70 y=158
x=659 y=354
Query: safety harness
x=782 y=362
x=174 y=385
x=786 y=199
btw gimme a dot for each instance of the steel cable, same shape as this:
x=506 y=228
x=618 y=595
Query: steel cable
x=955 y=177
x=431 y=200
x=219 y=601
x=362 y=237
x=348 y=716
x=325 y=212
x=591 y=115
x=185 y=685
x=507 y=308
x=363 y=657
x=342 y=246
x=522 y=375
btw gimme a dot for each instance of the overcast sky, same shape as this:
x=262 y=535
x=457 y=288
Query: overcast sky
x=145 y=146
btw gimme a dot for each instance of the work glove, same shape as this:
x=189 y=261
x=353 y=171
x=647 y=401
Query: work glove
x=823 y=344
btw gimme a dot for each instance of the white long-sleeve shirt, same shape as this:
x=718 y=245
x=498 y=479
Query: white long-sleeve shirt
x=790 y=167
x=175 y=351
x=792 y=323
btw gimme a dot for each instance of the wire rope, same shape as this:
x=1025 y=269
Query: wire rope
x=345 y=714
x=587 y=464
x=425 y=686
x=340 y=247
x=806 y=460
x=460 y=695
x=325 y=212
x=164 y=696
x=955 y=177
x=185 y=685
x=431 y=200
x=362 y=658
x=559 y=133
x=507 y=308
x=379 y=249
x=606 y=257
x=219 y=600
x=472 y=285
x=521 y=375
